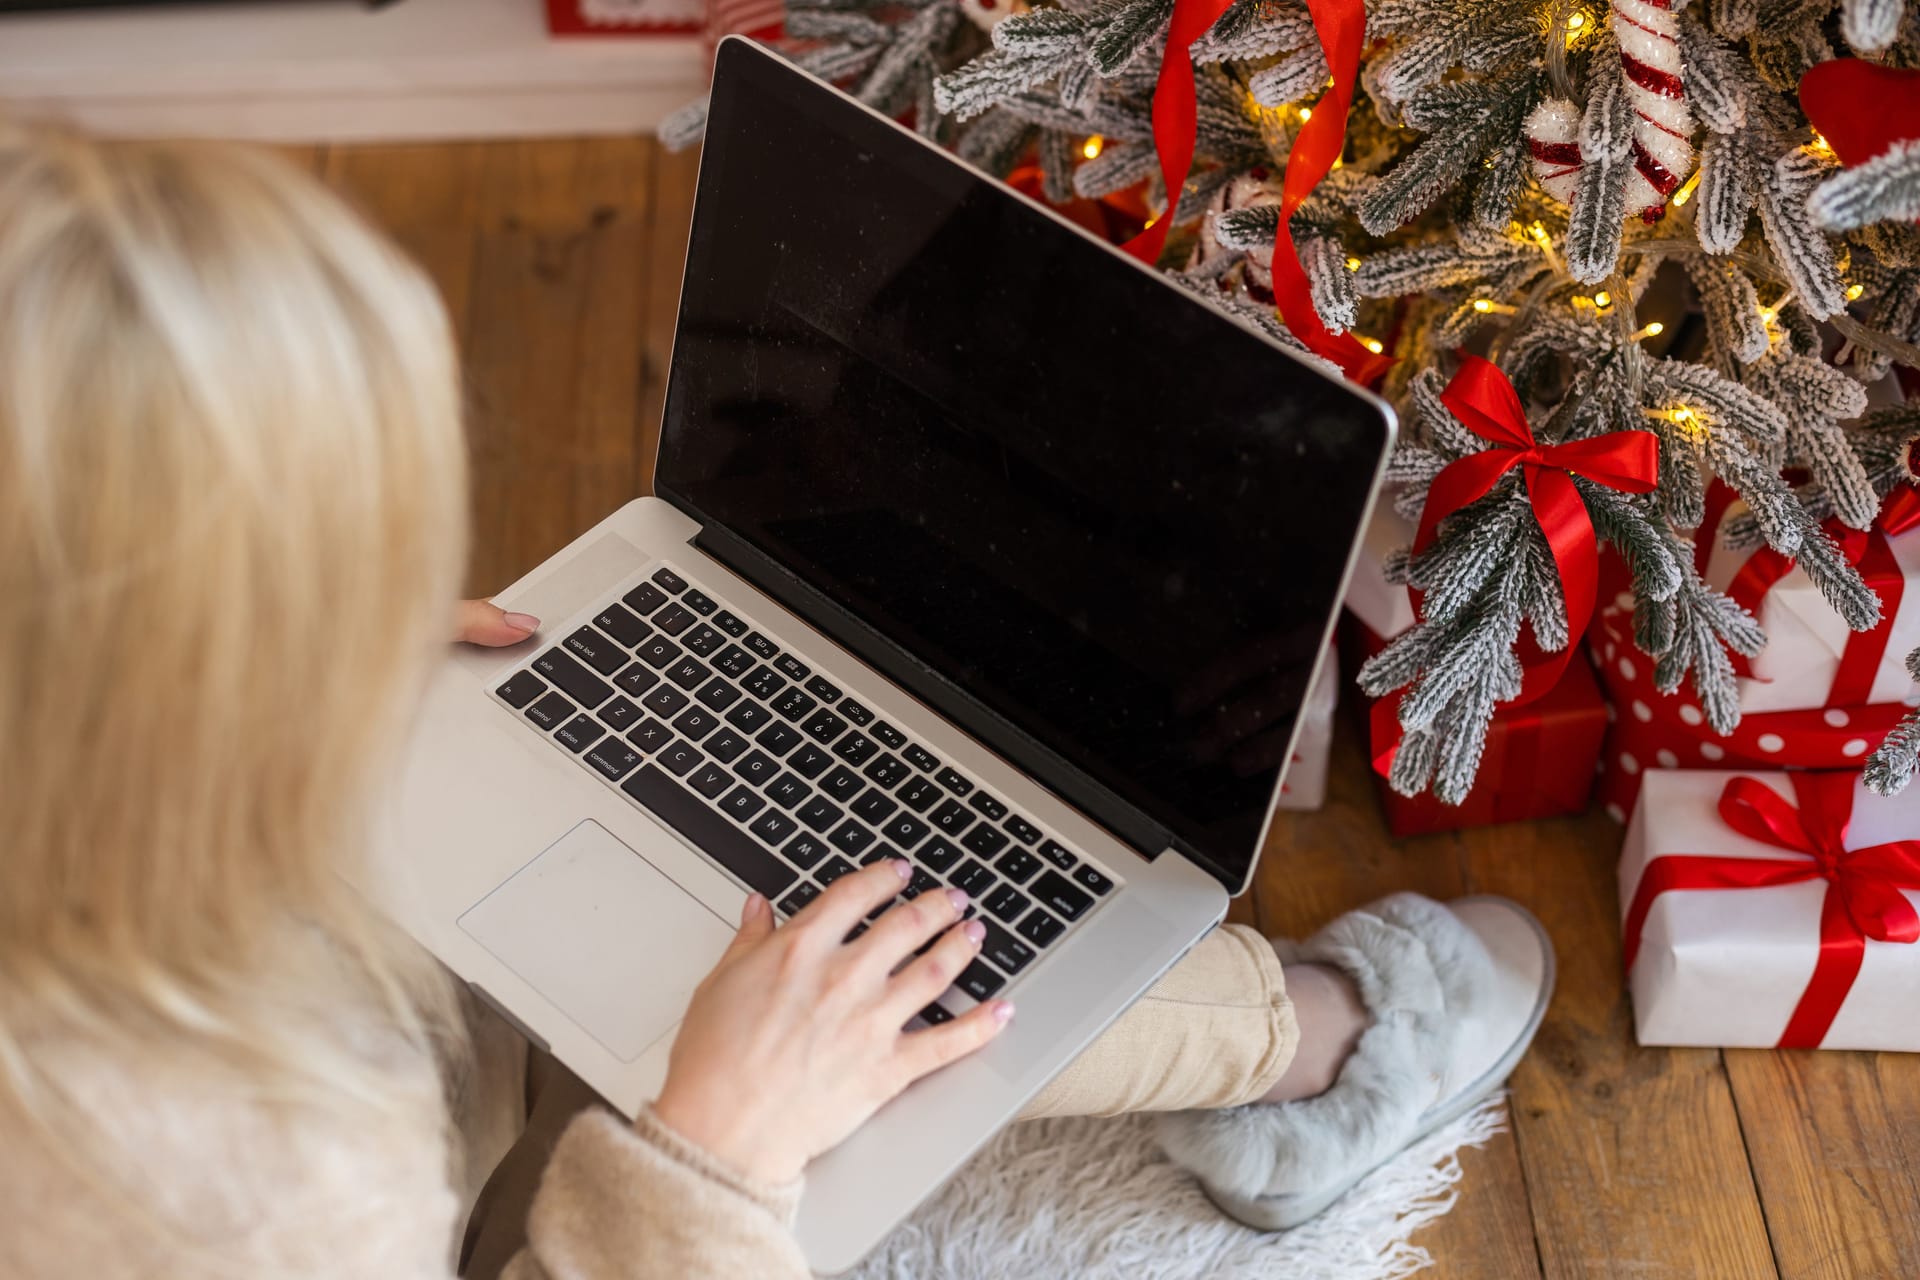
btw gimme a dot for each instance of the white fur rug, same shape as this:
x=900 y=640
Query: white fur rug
x=1096 y=1200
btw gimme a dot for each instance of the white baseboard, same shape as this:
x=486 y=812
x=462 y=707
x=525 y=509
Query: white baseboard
x=330 y=70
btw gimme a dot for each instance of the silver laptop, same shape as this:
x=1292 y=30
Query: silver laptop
x=974 y=542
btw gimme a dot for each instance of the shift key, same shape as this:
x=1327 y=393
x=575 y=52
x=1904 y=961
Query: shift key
x=580 y=684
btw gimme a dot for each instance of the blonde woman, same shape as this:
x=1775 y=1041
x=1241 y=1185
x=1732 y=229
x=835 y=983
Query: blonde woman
x=231 y=510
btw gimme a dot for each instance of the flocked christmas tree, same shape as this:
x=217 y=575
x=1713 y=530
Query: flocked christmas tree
x=1626 y=207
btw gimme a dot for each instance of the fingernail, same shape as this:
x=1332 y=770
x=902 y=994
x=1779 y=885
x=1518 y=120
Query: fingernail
x=958 y=898
x=752 y=907
x=903 y=868
x=1003 y=1011
x=521 y=621
x=975 y=931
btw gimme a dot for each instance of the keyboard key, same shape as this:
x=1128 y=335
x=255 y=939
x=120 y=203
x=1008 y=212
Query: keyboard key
x=620 y=623
x=619 y=715
x=600 y=653
x=665 y=700
x=919 y=794
x=710 y=780
x=855 y=712
x=734 y=660
x=805 y=850
x=670 y=580
x=688 y=674
x=809 y=761
x=549 y=711
x=953 y=782
x=696 y=723
x=778 y=738
x=874 y=807
x=579 y=733
x=880 y=853
x=952 y=817
x=773 y=826
x=851 y=837
x=933 y=1015
x=821 y=813
x=729 y=624
x=704 y=640
x=1007 y=952
x=854 y=933
x=725 y=745
x=824 y=726
x=757 y=767
x=788 y=791
x=1091 y=879
x=985 y=840
x=761 y=645
x=1060 y=895
x=919 y=884
x=742 y=803
x=920 y=758
x=1018 y=866
x=650 y=735
x=992 y=806
x=832 y=869
x=888 y=734
x=1040 y=928
x=614 y=758
x=791 y=667
x=572 y=679
x=521 y=688
x=1007 y=903
x=856 y=748
x=940 y=853
x=1022 y=830
x=645 y=598
x=679 y=758
x=725 y=843
x=748 y=716
x=1058 y=854
x=793 y=704
x=886 y=771
x=972 y=878
x=698 y=601
x=673 y=619
x=799 y=898
x=636 y=679
x=718 y=695
x=979 y=981
x=823 y=689
x=843 y=784
x=657 y=652
x=906 y=831
x=764 y=683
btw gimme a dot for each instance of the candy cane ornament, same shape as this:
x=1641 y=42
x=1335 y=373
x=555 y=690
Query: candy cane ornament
x=1663 y=125
x=1553 y=133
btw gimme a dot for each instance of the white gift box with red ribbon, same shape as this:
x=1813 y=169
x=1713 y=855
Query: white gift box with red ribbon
x=1384 y=607
x=1305 y=784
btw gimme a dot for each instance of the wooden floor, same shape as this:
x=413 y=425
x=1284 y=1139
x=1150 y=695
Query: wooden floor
x=560 y=262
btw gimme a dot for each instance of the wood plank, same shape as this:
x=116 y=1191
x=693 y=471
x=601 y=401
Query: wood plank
x=1828 y=1134
x=672 y=213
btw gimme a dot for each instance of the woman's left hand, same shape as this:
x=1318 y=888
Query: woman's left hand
x=484 y=623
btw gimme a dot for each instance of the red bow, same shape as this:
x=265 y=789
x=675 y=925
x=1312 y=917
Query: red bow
x=1341 y=26
x=1863 y=898
x=1867 y=550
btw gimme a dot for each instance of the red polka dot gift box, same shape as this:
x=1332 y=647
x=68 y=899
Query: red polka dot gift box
x=1653 y=731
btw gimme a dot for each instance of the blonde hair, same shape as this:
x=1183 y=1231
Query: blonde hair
x=232 y=523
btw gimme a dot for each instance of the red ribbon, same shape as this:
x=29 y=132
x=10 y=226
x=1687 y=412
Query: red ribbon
x=1869 y=551
x=1341 y=27
x=1863 y=898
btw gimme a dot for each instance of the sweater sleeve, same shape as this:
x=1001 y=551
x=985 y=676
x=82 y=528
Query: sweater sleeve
x=639 y=1201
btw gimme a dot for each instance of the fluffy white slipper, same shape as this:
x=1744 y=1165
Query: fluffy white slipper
x=1455 y=993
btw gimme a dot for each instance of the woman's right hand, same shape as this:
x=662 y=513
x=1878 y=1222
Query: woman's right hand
x=795 y=1038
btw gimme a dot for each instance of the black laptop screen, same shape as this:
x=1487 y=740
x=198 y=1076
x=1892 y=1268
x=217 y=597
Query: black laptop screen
x=1110 y=520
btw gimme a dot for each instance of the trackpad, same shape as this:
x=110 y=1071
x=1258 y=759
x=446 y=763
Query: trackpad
x=596 y=929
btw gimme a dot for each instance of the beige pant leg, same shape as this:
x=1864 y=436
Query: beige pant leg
x=1217 y=1030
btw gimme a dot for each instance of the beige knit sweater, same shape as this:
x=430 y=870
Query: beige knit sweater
x=185 y=1177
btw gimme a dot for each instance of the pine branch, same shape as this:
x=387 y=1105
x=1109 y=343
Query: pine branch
x=1883 y=189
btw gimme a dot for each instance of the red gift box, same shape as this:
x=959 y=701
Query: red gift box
x=1538 y=761
x=1652 y=730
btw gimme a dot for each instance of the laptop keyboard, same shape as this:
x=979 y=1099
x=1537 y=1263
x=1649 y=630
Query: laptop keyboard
x=699 y=717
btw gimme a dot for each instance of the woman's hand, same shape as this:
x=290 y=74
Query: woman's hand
x=485 y=623
x=795 y=1039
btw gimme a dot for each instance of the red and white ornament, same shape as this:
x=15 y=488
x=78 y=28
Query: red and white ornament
x=1663 y=124
x=1553 y=140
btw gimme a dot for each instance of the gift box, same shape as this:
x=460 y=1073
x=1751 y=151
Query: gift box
x=1650 y=730
x=1538 y=761
x=1304 y=785
x=625 y=17
x=1384 y=608
x=1811 y=658
x=1772 y=910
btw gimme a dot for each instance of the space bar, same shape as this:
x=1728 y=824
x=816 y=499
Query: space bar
x=712 y=834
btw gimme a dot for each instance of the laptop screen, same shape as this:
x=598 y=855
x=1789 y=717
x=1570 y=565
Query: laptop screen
x=1099 y=524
